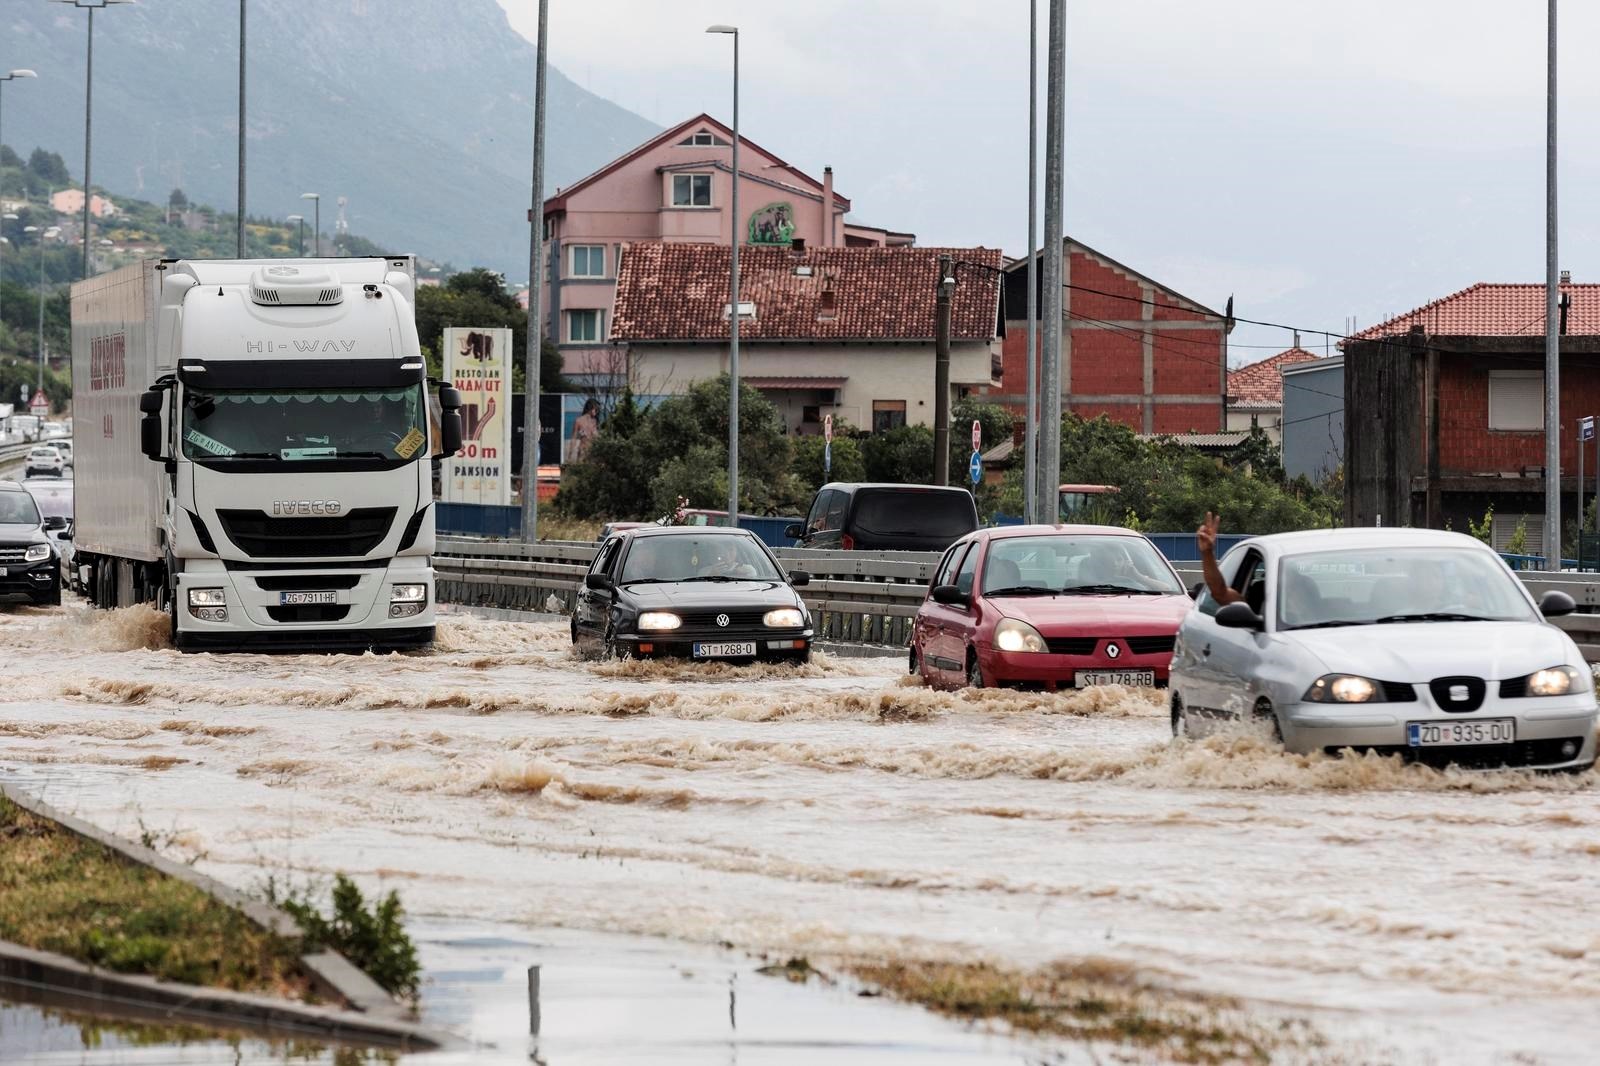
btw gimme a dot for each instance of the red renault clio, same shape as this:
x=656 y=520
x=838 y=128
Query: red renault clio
x=1049 y=607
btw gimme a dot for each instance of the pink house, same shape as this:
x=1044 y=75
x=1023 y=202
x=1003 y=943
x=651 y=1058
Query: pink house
x=676 y=187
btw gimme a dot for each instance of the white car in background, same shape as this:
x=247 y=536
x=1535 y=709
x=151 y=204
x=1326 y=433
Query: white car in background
x=43 y=459
x=64 y=446
x=1400 y=641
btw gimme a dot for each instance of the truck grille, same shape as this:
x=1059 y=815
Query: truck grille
x=12 y=555
x=1087 y=645
x=310 y=612
x=259 y=534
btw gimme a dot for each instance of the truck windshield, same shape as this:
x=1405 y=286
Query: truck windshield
x=305 y=425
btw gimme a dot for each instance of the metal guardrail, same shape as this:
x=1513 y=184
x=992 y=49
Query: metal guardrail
x=12 y=453
x=856 y=597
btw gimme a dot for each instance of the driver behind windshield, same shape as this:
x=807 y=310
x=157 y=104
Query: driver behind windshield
x=723 y=561
x=1110 y=564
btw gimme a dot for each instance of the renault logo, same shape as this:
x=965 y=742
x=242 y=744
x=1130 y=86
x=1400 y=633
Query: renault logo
x=1112 y=651
x=723 y=619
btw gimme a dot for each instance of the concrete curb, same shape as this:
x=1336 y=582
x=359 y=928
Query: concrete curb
x=218 y=1006
x=331 y=974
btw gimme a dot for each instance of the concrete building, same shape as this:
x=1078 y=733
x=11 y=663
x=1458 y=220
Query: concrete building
x=846 y=331
x=1132 y=348
x=1255 y=393
x=1313 y=418
x=1444 y=409
x=70 y=202
x=676 y=188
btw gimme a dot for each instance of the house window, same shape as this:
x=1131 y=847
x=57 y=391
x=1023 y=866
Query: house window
x=887 y=415
x=586 y=327
x=811 y=413
x=691 y=190
x=587 y=261
x=1516 y=399
x=702 y=138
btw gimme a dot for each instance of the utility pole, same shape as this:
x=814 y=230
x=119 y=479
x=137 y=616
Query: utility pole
x=1552 y=337
x=240 y=242
x=1050 y=400
x=733 y=293
x=530 y=373
x=946 y=287
x=1031 y=509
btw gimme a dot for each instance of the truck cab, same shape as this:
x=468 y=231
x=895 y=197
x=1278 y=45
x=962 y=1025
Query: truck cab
x=286 y=427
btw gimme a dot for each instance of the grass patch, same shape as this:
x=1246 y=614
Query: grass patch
x=62 y=893
x=561 y=527
x=1093 y=1001
x=374 y=939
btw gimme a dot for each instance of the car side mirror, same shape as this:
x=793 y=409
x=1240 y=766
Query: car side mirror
x=949 y=595
x=1556 y=603
x=794 y=530
x=1196 y=589
x=1240 y=616
x=599 y=583
x=54 y=522
x=799 y=578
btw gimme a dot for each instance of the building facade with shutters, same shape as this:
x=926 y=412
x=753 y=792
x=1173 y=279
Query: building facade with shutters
x=840 y=331
x=676 y=188
x=1444 y=410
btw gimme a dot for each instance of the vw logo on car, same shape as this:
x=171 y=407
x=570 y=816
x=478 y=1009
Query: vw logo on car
x=723 y=620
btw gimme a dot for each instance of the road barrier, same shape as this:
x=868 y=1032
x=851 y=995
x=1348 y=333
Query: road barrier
x=855 y=597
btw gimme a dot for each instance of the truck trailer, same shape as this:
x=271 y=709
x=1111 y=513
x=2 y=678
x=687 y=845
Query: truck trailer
x=254 y=450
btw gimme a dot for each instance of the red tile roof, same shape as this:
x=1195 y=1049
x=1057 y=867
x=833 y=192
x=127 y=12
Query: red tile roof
x=678 y=292
x=1495 y=310
x=1261 y=384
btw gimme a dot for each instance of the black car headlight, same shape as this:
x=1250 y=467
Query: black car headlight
x=1345 y=688
x=1557 y=681
x=36 y=553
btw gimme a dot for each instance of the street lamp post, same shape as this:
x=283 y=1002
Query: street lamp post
x=534 y=349
x=733 y=295
x=51 y=232
x=301 y=219
x=88 y=114
x=3 y=79
x=316 y=224
x=240 y=241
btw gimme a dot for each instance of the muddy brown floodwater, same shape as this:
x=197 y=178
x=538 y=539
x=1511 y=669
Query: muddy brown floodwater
x=839 y=812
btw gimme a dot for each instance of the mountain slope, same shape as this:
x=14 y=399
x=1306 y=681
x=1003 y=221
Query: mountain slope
x=420 y=112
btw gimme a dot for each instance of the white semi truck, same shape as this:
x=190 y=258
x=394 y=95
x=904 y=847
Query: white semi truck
x=253 y=450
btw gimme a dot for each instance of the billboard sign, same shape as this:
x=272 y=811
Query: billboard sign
x=478 y=363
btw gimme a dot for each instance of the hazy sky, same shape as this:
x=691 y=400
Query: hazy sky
x=1316 y=160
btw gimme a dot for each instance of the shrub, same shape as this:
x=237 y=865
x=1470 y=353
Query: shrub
x=373 y=940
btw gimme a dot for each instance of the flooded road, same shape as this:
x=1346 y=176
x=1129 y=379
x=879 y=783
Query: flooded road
x=838 y=813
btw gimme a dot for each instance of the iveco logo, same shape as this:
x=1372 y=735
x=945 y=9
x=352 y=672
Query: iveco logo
x=1112 y=651
x=305 y=507
x=723 y=619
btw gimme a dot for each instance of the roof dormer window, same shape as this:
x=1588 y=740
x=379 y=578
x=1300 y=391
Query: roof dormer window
x=702 y=139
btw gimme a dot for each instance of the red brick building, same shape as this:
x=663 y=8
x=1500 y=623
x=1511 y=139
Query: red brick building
x=1444 y=408
x=1132 y=348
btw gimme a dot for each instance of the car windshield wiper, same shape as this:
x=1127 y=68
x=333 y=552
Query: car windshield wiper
x=1022 y=590
x=251 y=455
x=725 y=577
x=1433 y=616
x=1332 y=623
x=647 y=581
x=1115 y=590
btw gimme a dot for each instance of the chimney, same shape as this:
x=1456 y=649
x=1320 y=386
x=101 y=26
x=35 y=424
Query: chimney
x=827 y=208
x=1566 y=277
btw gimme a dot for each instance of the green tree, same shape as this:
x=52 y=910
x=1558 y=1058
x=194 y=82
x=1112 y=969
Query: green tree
x=478 y=297
x=848 y=463
x=49 y=168
x=903 y=455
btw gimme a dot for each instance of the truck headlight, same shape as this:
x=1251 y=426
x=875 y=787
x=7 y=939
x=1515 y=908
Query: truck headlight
x=408 y=593
x=36 y=553
x=659 y=620
x=1555 y=681
x=207 y=598
x=784 y=618
x=1344 y=688
x=1014 y=635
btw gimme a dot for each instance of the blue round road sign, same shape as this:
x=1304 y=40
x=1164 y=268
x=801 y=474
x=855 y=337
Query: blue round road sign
x=975 y=467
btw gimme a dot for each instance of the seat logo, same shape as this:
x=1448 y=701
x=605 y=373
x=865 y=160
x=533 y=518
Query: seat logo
x=723 y=620
x=1112 y=651
x=306 y=507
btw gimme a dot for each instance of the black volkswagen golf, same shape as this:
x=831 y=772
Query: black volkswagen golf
x=693 y=593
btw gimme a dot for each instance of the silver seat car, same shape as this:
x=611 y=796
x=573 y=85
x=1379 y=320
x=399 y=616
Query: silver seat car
x=1400 y=641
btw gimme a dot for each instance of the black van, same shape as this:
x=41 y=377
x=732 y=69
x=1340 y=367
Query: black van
x=886 y=518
